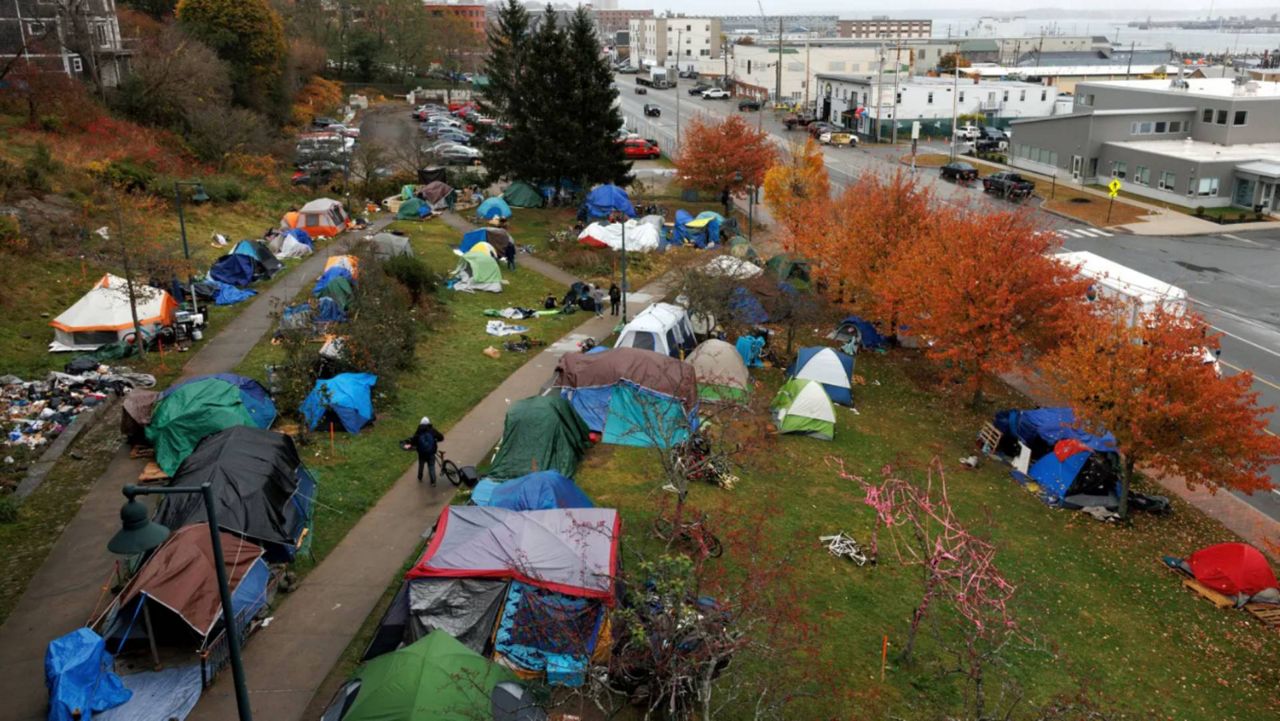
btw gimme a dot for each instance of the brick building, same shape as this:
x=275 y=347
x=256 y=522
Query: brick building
x=472 y=13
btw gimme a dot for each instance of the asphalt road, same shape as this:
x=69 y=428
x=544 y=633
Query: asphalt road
x=1233 y=279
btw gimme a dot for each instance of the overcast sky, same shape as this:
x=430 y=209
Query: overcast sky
x=966 y=8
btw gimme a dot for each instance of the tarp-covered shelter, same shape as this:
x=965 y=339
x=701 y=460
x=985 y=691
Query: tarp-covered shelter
x=346 y=398
x=494 y=207
x=413 y=209
x=542 y=433
x=477 y=271
x=390 y=245
x=746 y=308
x=257 y=400
x=497 y=238
x=337 y=285
x=188 y=413
x=568 y=550
x=863 y=332
x=262 y=490
x=79 y=674
x=135 y=414
x=587 y=379
x=179 y=583
x=533 y=492
x=436 y=193
x=828 y=366
x=720 y=371
x=606 y=199
x=293 y=243
x=802 y=407
x=641 y=237
x=1072 y=467
x=787 y=267
x=702 y=230
x=350 y=263
x=740 y=247
x=433 y=679
x=236 y=270
x=259 y=251
x=663 y=328
x=727 y=266
x=320 y=218
x=522 y=195
x=103 y=315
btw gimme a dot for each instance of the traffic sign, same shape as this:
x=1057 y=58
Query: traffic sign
x=1115 y=186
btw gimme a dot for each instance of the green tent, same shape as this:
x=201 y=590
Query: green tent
x=191 y=412
x=435 y=678
x=740 y=247
x=522 y=195
x=542 y=433
x=785 y=267
x=477 y=270
x=410 y=209
x=802 y=406
x=340 y=290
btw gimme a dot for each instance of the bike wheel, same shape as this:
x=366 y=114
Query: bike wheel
x=451 y=473
x=712 y=545
x=663 y=528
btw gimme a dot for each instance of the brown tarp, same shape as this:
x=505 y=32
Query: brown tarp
x=137 y=414
x=645 y=368
x=180 y=575
x=434 y=192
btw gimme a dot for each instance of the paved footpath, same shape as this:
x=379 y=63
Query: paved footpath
x=287 y=663
x=63 y=592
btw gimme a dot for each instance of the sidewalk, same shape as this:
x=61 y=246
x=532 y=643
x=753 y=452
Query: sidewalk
x=288 y=662
x=63 y=592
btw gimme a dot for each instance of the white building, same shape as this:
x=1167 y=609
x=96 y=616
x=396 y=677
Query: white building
x=675 y=41
x=860 y=102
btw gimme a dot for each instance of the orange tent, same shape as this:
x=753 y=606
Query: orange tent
x=320 y=218
x=103 y=315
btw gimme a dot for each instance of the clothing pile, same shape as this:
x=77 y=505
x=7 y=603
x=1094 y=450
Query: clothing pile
x=498 y=328
x=36 y=412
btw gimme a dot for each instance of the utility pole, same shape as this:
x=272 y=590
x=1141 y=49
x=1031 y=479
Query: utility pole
x=778 y=90
x=679 y=33
x=1129 y=70
x=806 y=76
x=897 y=72
x=955 y=100
x=879 y=90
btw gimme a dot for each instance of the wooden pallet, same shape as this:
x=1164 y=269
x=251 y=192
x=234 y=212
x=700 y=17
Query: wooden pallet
x=142 y=452
x=989 y=437
x=1268 y=613
x=1217 y=599
x=152 y=473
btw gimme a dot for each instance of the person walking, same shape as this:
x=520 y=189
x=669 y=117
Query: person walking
x=426 y=441
x=597 y=299
x=615 y=298
x=509 y=252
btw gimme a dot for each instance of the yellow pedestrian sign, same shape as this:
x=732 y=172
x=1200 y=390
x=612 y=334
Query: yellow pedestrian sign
x=1115 y=186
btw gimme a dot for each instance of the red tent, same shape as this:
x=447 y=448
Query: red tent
x=1232 y=568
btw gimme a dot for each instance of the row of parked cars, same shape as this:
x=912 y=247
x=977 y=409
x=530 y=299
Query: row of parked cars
x=321 y=153
x=451 y=131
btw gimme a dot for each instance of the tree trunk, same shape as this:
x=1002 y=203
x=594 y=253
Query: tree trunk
x=976 y=400
x=1126 y=480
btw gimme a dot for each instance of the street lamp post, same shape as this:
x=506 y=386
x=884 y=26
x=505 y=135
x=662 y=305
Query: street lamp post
x=139 y=534
x=620 y=218
x=200 y=196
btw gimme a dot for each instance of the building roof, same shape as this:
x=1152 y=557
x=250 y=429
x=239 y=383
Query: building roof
x=1202 y=152
x=1143 y=111
x=1261 y=167
x=987 y=70
x=1200 y=87
x=842 y=78
x=920 y=81
x=1085 y=58
x=984 y=45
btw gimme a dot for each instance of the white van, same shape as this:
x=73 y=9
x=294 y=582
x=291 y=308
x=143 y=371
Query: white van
x=662 y=328
x=1138 y=293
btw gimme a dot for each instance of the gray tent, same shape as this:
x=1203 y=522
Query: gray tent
x=465 y=608
x=389 y=245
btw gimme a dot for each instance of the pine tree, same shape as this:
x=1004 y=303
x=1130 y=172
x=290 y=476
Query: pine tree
x=543 y=143
x=596 y=118
x=508 y=41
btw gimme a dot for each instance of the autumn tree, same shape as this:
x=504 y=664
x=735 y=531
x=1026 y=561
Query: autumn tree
x=174 y=78
x=249 y=36
x=452 y=44
x=948 y=62
x=798 y=192
x=982 y=288
x=1171 y=414
x=726 y=155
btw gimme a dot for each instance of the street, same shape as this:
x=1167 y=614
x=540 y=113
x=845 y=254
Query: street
x=1232 y=279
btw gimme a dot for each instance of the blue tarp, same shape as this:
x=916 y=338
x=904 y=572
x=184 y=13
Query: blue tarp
x=1046 y=426
x=229 y=294
x=641 y=417
x=329 y=311
x=749 y=347
x=838 y=394
x=301 y=236
x=77 y=671
x=348 y=395
x=604 y=199
x=494 y=207
x=868 y=336
x=251 y=594
x=591 y=403
x=479 y=235
x=545 y=631
x=254 y=396
x=1055 y=477
x=234 y=269
x=712 y=231
x=746 y=308
x=539 y=491
x=334 y=272
x=681 y=233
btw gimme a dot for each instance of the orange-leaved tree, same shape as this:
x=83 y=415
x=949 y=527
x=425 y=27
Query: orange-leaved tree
x=1171 y=414
x=982 y=289
x=798 y=191
x=725 y=155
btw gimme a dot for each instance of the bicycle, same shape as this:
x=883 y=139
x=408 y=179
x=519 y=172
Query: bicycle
x=692 y=534
x=842 y=545
x=449 y=469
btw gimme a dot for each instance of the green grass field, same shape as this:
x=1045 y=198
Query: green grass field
x=1096 y=608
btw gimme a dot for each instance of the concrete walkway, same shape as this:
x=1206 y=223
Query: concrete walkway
x=288 y=662
x=64 y=591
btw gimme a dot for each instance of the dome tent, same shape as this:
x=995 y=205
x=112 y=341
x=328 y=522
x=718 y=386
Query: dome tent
x=828 y=366
x=348 y=397
x=390 y=245
x=803 y=407
x=522 y=195
x=720 y=371
x=412 y=209
x=494 y=207
x=607 y=198
x=477 y=270
x=533 y=492
x=1232 y=568
x=497 y=238
x=103 y=315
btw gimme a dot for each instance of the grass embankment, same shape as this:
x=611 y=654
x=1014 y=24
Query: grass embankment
x=1097 y=609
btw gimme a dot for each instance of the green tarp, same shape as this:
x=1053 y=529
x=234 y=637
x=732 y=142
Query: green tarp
x=522 y=195
x=190 y=413
x=409 y=209
x=435 y=678
x=788 y=268
x=340 y=290
x=542 y=433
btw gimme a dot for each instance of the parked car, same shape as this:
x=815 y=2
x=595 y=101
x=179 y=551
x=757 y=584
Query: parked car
x=748 y=104
x=455 y=153
x=692 y=74
x=818 y=127
x=322 y=121
x=715 y=94
x=988 y=145
x=1008 y=185
x=839 y=137
x=454 y=136
x=641 y=90
x=967 y=132
x=797 y=120
x=990 y=132
x=640 y=148
x=699 y=88
x=959 y=171
x=628 y=70
x=652 y=111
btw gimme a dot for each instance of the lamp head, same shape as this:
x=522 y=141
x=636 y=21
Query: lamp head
x=138 y=533
x=200 y=196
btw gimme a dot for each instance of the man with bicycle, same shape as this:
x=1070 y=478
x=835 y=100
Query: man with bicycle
x=426 y=441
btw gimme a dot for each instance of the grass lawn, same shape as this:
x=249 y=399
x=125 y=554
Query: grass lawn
x=1096 y=607
x=1087 y=206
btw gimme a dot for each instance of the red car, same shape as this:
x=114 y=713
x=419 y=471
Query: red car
x=640 y=148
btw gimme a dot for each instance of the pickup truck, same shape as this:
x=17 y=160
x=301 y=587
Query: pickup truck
x=1008 y=185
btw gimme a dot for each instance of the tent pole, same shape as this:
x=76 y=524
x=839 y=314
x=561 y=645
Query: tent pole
x=151 y=635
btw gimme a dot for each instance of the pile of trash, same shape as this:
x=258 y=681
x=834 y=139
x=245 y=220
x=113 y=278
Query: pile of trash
x=36 y=412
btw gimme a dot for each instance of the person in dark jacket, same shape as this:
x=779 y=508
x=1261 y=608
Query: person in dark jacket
x=510 y=254
x=426 y=442
x=615 y=298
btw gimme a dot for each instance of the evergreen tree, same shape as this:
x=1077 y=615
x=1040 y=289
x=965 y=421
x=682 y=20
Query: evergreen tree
x=596 y=117
x=544 y=144
x=508 y=41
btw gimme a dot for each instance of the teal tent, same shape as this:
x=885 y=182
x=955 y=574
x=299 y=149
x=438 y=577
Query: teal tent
x=522 y=195
x=412 y=209
x=641 y=417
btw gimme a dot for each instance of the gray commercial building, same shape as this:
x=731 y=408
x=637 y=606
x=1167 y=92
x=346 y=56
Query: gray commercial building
x=1209 y=142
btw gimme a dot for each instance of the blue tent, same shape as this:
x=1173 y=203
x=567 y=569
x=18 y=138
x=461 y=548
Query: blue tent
x=681 y=232
x=828 y=366
x=496 y=237
x=78 y=672
x=336 y=271
x=746 y=308
x=301 y=236
x=605 y=199
x=641 y=417
x=235 y=269
x=535 y=492
x=868 y=336
x=750 y=347
x=254 y=396
x=1042 y=428
x=494 y=207
x=329 y=310
x=349 y=396
x=591 y=403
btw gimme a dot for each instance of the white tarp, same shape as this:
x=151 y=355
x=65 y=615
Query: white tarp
x=727 y=266
x=642 y=237
x=286 y=246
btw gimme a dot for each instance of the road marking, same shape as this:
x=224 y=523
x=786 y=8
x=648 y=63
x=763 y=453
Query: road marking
x=1256 y=377
x=1103 y=233
x=1244 y=240
x=1233 y=335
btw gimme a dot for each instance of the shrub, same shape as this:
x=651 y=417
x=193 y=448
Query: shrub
x=414 y=275
x=1199 y=210
x=222 y=189
x=8 y=509
x=38 y=168
x=125 y=175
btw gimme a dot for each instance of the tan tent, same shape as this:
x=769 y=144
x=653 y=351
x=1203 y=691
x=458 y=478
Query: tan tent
x=103 y=316
x=720 y=370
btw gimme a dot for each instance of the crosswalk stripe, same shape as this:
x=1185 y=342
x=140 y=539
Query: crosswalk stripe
x=1087 y=232
x=1067 y=233
x=1103 y=233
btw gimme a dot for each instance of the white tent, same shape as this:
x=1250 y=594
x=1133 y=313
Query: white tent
x=102 y=315
x=286 y=246
x=727 y=266
x=662 y=327
x=641 y=237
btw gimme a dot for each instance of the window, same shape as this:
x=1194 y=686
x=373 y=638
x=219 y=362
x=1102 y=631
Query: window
x=1119 y=169
x=1142 y=175
x=77 y=65
x=1240 y=117
x=961 y=98
x=929 y=99
x=35 y=28
x=100 y=35
x=921 y=54
x=1144 y=128
x=1175 y=126
x=1207 y=186
x=898 y=99
x=1168 y=181
x=1006 y=96
x=1022 y=96
x=1208 y=116
x=1044 y=95
x=1161 y=126
x=1088 y=100
x=1222 y=117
